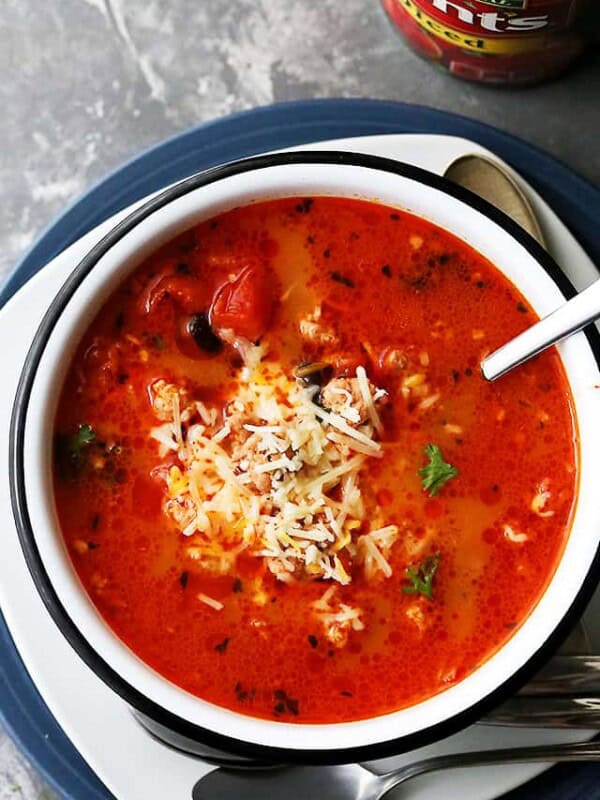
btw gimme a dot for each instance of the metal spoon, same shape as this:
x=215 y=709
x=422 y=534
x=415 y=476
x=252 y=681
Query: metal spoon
x=556 y=712
x=487 y=179
x=567 y=319
x=566 y=675
x=355 y=782
x=564 y=694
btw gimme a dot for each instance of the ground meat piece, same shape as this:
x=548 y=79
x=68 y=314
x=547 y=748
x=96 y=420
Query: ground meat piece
x=315 y=331
x=162 y=395
x=343 y=397
x=260 y=480
x=393 y=360
x=235 y=421
x=181 y=510
x=245 y=451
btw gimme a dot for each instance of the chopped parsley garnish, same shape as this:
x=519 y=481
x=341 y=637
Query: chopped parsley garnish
x=435 y=474
x=84 y=436
x=222 y=646
x=70 y=450
x=421 y=577
x=157 y=341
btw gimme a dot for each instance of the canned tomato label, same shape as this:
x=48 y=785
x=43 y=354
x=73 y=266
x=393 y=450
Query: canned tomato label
x=512 y=41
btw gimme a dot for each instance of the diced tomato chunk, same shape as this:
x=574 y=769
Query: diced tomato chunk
x=244 y=304
x=188 y=292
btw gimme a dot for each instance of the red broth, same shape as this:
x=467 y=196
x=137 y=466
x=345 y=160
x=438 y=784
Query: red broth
x=338 y=632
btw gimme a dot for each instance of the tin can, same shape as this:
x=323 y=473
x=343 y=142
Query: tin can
x=493 y=41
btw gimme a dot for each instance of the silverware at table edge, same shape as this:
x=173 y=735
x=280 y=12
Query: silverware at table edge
x=546 y=712
x=566 y=675
x=564 y=694
x=356 y=781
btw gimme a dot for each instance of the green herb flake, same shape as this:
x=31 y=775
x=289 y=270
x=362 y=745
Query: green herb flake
x=71 y=448
x=85 y=435
x=157 y=341
x=437 y=473
x=421 y=577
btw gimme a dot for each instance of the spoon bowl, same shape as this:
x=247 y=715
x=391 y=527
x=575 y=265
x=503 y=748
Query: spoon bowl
x=489 y=180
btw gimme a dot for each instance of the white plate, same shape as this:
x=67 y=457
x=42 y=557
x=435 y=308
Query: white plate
x=133 y=766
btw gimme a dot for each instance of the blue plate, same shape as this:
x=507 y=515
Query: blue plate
x=22 y=710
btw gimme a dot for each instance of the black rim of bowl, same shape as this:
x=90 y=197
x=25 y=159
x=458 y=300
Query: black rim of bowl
x=76 y=638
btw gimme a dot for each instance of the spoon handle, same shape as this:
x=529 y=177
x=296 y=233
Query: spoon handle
x=568 y=318
x=566 y=676
x=580 y=751
x=524 y=711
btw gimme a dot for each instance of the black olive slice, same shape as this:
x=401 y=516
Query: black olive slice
x=204 y=336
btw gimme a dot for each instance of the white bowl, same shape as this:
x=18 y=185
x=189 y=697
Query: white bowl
x=513 y=252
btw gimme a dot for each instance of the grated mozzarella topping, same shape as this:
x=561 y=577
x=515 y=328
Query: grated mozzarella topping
x=539 y=502
x=512 y=535
x=278 y=477
x=337 y=619
x=210 y=601
x=363 y=385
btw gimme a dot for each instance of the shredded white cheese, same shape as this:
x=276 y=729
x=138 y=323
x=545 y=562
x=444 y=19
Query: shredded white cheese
x=540 y=500
x=363 y=385
x=264 y=480
x=374 y=547
x=514 y=536
x=337 y=619
x=210 y=601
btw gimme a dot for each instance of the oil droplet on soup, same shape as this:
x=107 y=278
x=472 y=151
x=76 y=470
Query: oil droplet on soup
x=281 y=477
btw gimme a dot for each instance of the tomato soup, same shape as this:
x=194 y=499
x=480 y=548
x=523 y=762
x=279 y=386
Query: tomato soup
x=281 y=477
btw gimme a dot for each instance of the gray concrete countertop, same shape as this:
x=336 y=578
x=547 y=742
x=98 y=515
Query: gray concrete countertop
x=88 y=83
